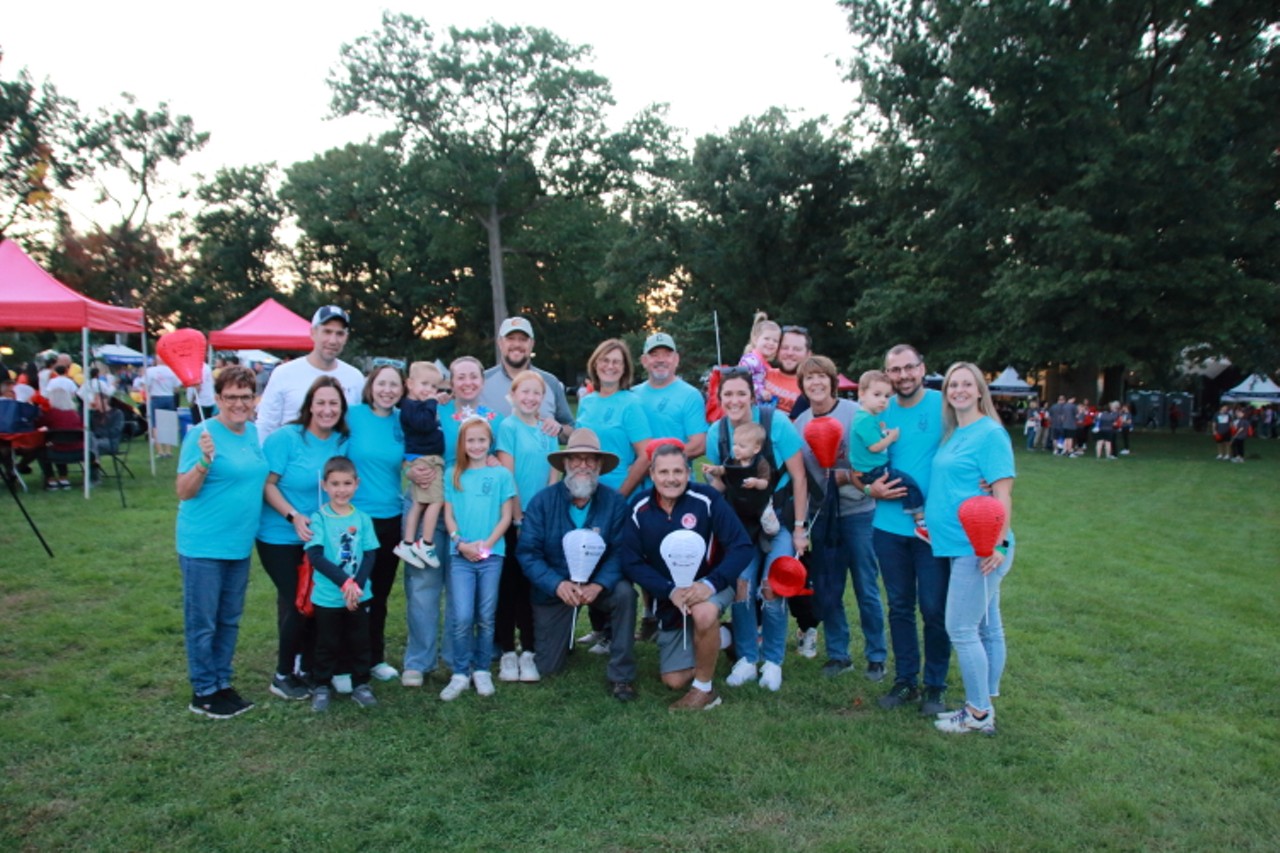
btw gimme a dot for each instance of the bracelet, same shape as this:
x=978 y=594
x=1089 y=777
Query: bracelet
x=203 y=463
x=288 y=517
x=866 y=490
x=455 y=537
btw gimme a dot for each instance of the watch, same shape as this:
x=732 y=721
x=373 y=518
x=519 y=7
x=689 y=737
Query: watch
x=289 y=517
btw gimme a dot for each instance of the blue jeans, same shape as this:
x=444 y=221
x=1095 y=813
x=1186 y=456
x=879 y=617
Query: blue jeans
x=212 y=602
x=975 y=628
x=913 y=577
x=858 y=558
x=773 y=613
x=422 y=591
x=473 y=601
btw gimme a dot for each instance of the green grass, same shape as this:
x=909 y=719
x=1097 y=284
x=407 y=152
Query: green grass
x=1138 y=709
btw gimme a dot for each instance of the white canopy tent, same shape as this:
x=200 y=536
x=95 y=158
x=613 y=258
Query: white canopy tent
x=1256 y=389
x=1007 y=384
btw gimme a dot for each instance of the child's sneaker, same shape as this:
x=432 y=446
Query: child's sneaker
x=457 y=685
x=743 y=671
x=404 y=550
x=771 y=677
x=363 y=696
x=769 y=521
x=509 y=667
x=809 y=643
x=483 y=682
x=320 y=700
x=528 y=668
x=922 y=533
x=426 y=552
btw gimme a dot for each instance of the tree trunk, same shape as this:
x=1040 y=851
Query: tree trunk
x=498 y=285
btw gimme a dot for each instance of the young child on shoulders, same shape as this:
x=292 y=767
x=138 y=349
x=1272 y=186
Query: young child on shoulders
x=341 y=552
x=423 y=449
x=762 y=349
x=746 y=480
x=869 y=444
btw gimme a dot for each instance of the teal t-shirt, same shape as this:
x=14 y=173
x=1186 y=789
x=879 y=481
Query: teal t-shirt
x=298 y=458
x=376 y=446
x=528 y=446
x=979 y=451
x=786 y=442
x=345 y=539
x=219 y=523
x=675 y=411
x=618 y=421
x=866 y=432
x=477 y=506
x=451 y=417
x=920 y=430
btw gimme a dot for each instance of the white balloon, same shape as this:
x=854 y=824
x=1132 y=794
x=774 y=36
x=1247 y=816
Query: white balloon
x=582 y=551
x=683 y=551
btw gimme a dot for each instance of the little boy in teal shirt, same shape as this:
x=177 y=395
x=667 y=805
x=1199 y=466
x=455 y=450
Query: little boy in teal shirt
x=869 y=444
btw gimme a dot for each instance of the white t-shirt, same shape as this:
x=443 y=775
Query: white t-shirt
x=288 y=386
x=204 y=391
x=65 y=383
x=162 y=381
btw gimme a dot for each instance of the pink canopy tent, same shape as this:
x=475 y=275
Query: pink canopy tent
x=269 y=326
x=31 y=300
x=846 y=384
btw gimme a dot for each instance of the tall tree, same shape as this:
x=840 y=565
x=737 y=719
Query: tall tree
x=1087 y=183
x=506 y=117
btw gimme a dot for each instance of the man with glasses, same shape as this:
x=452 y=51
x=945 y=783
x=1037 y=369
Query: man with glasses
x=794 y=348
x=913 y=577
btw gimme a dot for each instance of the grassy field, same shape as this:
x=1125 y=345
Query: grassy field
x=1138 y=712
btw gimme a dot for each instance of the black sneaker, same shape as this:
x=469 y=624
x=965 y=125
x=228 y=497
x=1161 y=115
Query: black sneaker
x=834 y=667
x=901 y=693
x=875 y=670
x=241 y=703
x=289 y=687
x=648 y=629
x=320 y=700
x=623 y=691
x=933 y=702
x=214 y=705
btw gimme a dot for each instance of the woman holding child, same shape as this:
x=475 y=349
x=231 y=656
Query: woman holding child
x=737 y=400
x=221 y=473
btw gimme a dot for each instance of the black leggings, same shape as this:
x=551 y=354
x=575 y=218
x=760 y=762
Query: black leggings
x=515 y=608
x=297 y=634
x=382 y=580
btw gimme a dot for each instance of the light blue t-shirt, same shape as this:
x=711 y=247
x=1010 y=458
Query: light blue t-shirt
x=866 y=432
x=979 y=451
x=675 y=411
x=451 y=417
x=786 y=442
x=376 y=446
x=478 y=506
x=920 y=430
x=298 y=458
x=618 y=421
x=528 y=446
x=219 y=523
x=345 y=539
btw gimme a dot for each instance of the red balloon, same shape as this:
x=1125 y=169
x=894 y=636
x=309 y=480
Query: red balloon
x=823 y=435
x=787 y=576
x=982 y=517
x=183 y=351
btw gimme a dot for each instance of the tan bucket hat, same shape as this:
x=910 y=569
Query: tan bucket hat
x=582 y=441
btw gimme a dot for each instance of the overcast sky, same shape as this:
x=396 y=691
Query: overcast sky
x=253 y=73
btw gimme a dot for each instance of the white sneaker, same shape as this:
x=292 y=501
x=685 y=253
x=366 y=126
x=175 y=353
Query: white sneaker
x=509 y=667
x=743 y=671
x=528 y=669
x=809 y=643
x=771 y=677
x=405 y=552
x=962 y=722
x=601 y=648
x=426 y=552
x=769 y=521
x=483 y=682
x=341 y=683
x=411 y=678
x=384 y=671
x=457 y=685
x=590 y=638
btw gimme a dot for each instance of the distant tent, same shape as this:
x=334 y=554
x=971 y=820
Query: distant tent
x=845 y=383
x=1256 y=389
x=270 y=326
x=118 y=354
x=1007 y=384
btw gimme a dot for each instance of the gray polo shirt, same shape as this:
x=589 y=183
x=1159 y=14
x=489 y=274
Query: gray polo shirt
x=497 y=385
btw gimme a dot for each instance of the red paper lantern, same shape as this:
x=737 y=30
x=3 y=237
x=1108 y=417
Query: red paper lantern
x=787 y=576
x=183 y=351
x=982 y=517
x=823 y=435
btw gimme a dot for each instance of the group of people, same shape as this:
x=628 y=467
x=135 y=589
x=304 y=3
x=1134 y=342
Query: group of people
x=1068 y=426
x=520 y=514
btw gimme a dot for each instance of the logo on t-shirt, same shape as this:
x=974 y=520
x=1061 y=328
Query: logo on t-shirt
x=689 y=521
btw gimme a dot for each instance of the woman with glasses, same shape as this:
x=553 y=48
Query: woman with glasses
x=614 y=413
x=791 y=501
x=221 y=473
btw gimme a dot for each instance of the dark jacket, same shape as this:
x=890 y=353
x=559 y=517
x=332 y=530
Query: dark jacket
x=421 y=425
x=539 y=548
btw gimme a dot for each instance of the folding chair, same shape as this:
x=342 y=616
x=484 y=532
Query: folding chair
x=67 y=438
x=110 y=441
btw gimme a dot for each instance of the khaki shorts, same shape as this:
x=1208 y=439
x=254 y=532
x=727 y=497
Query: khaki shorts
x=433 y=494
x=672 y=652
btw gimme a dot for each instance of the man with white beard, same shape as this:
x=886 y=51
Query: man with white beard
x=579 y=501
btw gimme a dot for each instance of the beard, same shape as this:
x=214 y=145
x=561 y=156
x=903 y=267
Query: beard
x=581 y=484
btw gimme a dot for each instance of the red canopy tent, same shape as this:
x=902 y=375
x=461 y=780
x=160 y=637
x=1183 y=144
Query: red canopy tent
x=846 y=384
x=269 y=326
x=33 y=300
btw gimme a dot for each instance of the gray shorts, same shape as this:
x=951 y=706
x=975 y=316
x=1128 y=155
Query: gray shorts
x=672 y=654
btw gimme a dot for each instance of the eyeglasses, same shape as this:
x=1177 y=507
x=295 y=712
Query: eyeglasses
x=236 y=398
x=580 y=460
x=904 y=369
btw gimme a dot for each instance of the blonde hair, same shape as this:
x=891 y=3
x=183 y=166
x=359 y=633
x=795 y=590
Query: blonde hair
x=988 y=408
x=425 y=371
x=760 y=323
x=873 y=376
x=464 y=461
x=750 y=431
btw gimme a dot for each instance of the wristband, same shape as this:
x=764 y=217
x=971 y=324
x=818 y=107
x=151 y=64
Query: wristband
x=203 y=463
x=455 y=537
x=866 y=490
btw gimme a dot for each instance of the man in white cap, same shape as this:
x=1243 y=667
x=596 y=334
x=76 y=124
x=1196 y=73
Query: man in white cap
x=288 y=385
x=515 y=342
